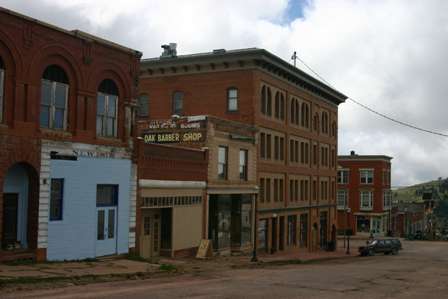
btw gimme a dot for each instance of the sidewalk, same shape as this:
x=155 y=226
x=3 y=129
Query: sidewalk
x=55 y=274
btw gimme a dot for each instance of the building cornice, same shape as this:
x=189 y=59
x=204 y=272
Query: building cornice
x=252 y=58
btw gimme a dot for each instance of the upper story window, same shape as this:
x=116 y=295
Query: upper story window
x=386 y=177
x=342 y=199
x=222 y=162
x=2 y=88
x=324 y=121
x=266 y=101
x=366 y=176
x=316 y=122
x=107 y=109
x=178 y=103
x=53 y=102
x=366 y=200
x=305 y=122
x=243 y=164
x=295 y=110
x=279 y=106
x=333 y=129
x=387 y=199
x=143 y=106
x=232 y=99
x=343 y=176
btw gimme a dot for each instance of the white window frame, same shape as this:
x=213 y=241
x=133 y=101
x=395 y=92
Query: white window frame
x=232 y=99
x=362 y=200
x=387 y=199
x=364 y=174
x=52 y=104
x=341 y=177
x=342 y=196
x=2 y=92
x=103 y=132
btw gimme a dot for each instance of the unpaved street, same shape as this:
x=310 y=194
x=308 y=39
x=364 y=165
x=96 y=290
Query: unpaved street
x=420 y=271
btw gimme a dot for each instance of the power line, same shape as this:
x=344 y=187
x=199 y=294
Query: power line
x=372 y=110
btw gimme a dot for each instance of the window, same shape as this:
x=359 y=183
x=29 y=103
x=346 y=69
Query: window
x=315 y=154
x=276 y=198
x=56 y=198
x=342 y=202
x=232 y=99
x=143 y=106
x=268 y=190
x=386 y=177
x=269 y=103
x=222 y=162
x=2 y=88
x=305 y=115
x=343 y=176
x=276 y=148
x=178 y=102
x=243 y=164
x=53 y=102
x=106 y=109
x=387 y=199
x=263 y=100
x=366 y=200
x=277 y=105
x=262 y=145
x=325 y=122
x=366 y=176
x=268 y=146
x=316 y=122
x=282 y=107
x=106 y=195
x=282 y=148
x=262 y=192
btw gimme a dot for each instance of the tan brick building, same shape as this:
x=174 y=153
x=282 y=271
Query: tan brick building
x=296 y=118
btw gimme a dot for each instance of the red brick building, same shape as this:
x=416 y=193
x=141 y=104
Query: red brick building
x=296 y=116
x=364 y=195
x=51 y=80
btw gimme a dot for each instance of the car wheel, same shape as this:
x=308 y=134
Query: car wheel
x=394 y=251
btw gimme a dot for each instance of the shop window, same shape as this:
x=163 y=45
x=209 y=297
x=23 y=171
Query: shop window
x=53 y=102
x=178 y=103
x=143 y=106
x=292 y=230
x=222 y=162
x=106 y=195
x=107 y=109
x=232 y=99
x=56 y=199
x=243 y=164
x=2 y=88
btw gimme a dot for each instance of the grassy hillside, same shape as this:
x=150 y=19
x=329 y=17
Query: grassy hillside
x=414 y=193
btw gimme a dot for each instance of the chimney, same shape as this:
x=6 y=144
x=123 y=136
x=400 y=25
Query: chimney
x=352 y=153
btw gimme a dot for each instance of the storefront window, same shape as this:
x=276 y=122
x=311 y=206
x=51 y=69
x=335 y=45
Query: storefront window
x=292 y=232
x=304 y=230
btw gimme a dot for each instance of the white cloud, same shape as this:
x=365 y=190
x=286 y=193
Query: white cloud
x=391 y=55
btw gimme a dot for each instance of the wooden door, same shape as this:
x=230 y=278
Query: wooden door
x=150 y=234
x=10 y=217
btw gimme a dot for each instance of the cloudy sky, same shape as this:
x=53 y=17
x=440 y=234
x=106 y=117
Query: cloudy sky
x=390 y=55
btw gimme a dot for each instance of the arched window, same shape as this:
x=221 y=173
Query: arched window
x=269 y=103
x=143 y=106
x=282 y=107
x=293 y=111
x=2 y=87
x=178 y=102
x=324 y=122
x=53 y=102
x=107 y=109
x=232 y=99
x=263 y=100
x=277 y=105
x=316 y=122
x=297 y=107
x=303 y=114
x=307 y=116
x=333 y=129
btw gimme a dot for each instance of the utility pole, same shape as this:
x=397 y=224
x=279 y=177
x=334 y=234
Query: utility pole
x=294 y=57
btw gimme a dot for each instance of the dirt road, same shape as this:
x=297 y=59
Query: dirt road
x=420 y=271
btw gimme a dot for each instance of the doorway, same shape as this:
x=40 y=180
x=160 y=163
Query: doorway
x=10 y=219
x=323 y=235
x=274 y=235
x=150 y=233
x=106 y=209
x=20 y=204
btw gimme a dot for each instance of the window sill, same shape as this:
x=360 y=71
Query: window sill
x=56 y=132
x=108 y=139
x=232 y=111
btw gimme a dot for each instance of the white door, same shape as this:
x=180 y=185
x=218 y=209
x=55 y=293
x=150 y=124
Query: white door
x=106 y=240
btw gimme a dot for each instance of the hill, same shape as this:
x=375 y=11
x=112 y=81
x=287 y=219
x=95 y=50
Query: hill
x=414 y=193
